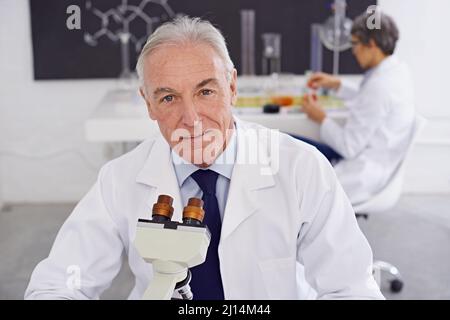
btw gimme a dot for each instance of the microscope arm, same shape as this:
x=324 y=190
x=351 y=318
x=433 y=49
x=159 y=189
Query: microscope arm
x=162 y=285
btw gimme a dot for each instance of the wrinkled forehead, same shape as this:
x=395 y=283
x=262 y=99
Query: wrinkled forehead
x=172 y=65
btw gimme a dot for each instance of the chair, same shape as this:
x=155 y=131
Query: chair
x=385 y=200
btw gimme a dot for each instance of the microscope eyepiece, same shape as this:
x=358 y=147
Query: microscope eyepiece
x=193 y=213
x=163 y=209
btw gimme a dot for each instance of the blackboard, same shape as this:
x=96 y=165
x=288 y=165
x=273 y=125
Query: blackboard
x=61 y=53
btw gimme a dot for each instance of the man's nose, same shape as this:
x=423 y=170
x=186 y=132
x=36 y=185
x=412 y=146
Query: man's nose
x=190 y=115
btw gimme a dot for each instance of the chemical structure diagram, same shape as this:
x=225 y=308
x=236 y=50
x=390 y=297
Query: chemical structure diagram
x=124 y=14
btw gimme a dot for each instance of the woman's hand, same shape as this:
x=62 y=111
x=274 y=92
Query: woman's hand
x=312 y=108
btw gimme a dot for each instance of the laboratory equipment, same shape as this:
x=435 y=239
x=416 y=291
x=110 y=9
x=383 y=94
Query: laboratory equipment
x=172 y=247
x=316 y=49
x=281 y=89
x=334 y=34
x=124 y=38
x=271 y=55
x=271 y=108
x=248 y=42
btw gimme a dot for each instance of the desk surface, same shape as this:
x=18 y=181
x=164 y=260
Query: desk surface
x=122 y=117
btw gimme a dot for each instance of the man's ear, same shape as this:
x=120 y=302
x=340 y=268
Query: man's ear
x=233 y=86
x=149 y=107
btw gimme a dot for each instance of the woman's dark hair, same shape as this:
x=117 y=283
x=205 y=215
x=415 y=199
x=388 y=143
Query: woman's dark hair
x=385 y=34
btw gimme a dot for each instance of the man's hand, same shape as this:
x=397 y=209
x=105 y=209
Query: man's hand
x=323 y=80
x=312 y=108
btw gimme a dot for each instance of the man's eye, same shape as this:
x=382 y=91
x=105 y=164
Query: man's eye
x=206 y=92
x=167 y=99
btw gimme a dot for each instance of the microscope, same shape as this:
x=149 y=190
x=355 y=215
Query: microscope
x=172 y=247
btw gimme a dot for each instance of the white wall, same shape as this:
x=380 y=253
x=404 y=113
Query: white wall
x=43 y=153
x=425 y=45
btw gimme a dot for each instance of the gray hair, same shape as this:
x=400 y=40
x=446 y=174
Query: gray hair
x=385 y=37
x=184 y=30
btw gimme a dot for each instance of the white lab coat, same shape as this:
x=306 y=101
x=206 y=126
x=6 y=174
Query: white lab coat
x=375 y=137
x=274 y=224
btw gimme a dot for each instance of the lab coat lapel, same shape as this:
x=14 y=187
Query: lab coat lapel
x=158 y=173
x=247 y=179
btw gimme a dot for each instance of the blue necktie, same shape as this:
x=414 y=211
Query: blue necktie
x=206 y=283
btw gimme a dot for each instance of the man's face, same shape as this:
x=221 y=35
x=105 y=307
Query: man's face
x=187 y=92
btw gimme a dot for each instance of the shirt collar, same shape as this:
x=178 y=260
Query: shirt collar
x=223 y=165
x=386 y=63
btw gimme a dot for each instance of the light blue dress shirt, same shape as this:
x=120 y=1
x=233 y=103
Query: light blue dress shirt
x=223 y=165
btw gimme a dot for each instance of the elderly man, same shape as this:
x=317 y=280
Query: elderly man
x=273 y=219
x=367 y=150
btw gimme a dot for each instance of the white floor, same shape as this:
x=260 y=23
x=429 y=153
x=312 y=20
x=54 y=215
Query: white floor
x=415 y=236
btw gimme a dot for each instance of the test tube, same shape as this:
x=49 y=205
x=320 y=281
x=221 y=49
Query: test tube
x=248 y=42
x=316 y=48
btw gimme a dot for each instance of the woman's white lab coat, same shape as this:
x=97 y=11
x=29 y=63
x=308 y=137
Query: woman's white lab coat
x=280 y=219
x=377 y=132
